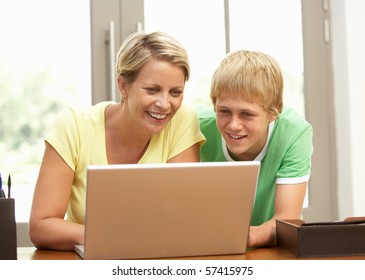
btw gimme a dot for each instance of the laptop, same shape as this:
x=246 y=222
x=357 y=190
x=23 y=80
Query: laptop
x=143 y=211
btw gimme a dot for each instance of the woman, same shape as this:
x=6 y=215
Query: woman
x=149 y=125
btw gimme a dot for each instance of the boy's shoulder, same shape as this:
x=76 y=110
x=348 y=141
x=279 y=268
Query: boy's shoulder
x=291 y=122
x=291 y=116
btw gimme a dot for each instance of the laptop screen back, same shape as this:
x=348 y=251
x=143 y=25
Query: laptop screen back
x=168 y=210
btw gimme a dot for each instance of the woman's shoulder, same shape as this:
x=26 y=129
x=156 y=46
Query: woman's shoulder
x=78 y=116
x=185 y=113
x=84 y=113
x=91 y=110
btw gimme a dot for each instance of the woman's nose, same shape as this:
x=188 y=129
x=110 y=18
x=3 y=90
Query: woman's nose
x=163 y=101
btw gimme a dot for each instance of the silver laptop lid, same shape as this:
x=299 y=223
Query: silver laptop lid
x=168 y=210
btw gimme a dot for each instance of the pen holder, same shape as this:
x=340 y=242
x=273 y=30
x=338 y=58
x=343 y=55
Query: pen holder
x=8 y=245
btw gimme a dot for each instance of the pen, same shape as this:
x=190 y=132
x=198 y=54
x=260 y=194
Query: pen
x=2 y=194
x=9 y=185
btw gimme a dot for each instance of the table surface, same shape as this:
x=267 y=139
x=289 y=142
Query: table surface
x=270 y=253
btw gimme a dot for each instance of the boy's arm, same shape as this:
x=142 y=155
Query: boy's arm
x=288 y=205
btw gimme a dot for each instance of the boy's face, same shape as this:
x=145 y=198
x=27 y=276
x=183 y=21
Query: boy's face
x=244 y=126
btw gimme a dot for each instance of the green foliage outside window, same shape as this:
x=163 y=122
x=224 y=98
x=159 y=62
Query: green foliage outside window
x=29 y=102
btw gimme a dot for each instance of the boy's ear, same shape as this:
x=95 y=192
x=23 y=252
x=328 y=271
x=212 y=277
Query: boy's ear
x=273 y=117
x=275 y=113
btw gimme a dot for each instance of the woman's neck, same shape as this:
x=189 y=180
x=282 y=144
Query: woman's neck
x=124 y=143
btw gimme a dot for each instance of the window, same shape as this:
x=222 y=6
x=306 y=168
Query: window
x=192 y=24
x=266 y=26
x=44 y=67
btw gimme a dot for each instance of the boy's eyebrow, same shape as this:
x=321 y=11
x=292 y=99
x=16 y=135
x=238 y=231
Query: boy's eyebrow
x=220 y=107
x=240 y=110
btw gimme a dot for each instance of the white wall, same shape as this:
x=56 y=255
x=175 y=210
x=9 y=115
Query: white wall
x=348 y=42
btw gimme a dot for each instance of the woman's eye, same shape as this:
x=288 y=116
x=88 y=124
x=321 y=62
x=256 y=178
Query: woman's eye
x=247 y=115
x=151 y=90
x=176 y=93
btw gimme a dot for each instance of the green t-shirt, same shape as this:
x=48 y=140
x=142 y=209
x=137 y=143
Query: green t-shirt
x=286 y=158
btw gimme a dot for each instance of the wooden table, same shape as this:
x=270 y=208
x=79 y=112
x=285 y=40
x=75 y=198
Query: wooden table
x=271 y=253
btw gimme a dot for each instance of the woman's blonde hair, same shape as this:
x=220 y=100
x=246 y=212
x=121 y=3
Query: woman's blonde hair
x=138 y=48
x=255 y=76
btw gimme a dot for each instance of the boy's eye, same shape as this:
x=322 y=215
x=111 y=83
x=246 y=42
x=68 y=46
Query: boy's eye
x=247 y=115
x=223 y=111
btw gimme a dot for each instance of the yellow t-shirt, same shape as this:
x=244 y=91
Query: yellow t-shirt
x=78 y=135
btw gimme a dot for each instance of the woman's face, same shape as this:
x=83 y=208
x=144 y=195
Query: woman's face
x=244 y=126
x=155 y=95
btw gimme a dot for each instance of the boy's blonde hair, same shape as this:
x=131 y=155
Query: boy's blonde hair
x=253 y=75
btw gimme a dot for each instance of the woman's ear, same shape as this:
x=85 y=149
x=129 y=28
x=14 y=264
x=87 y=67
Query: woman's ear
x=122 y=86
